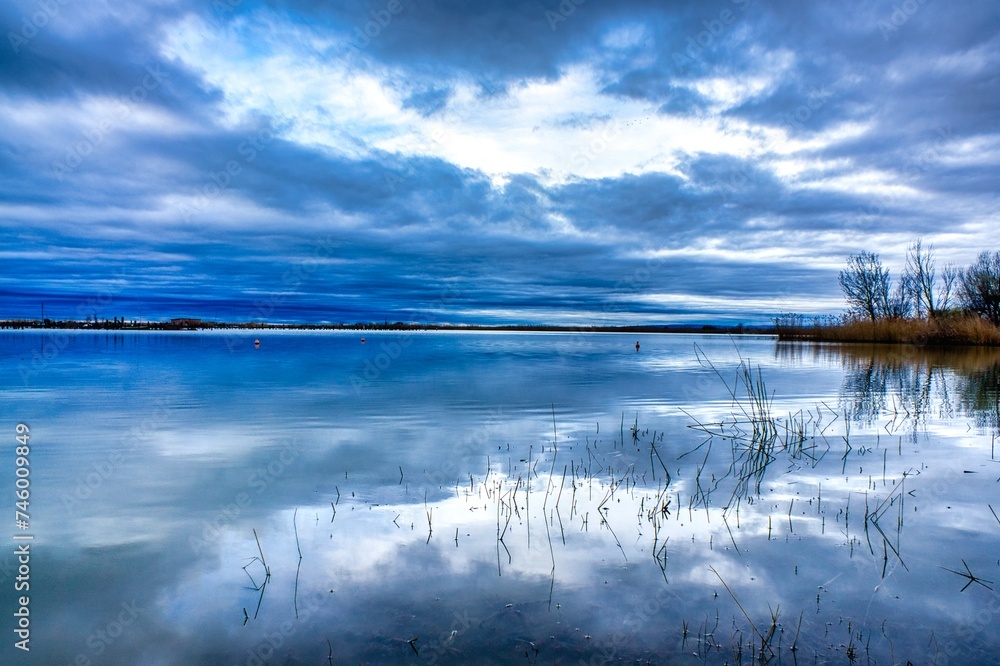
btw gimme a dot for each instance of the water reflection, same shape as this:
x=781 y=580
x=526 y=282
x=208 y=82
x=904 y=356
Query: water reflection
x=504 y=499
x=979 y=395
x=905 y=386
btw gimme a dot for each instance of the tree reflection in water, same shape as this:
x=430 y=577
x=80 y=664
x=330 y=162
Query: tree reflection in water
x=905 y=386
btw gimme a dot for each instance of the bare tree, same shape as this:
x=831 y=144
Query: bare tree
x=919 y=275
x=866 y=285
x=979 y=287
x=949 y=275
x=902 y=299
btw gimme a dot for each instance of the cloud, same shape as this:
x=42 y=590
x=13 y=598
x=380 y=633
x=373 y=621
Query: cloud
x=538 y=155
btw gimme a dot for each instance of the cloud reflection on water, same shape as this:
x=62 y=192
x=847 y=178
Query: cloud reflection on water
x=172 y=525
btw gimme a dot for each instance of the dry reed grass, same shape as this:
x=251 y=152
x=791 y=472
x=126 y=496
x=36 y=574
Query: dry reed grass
x=950 y=330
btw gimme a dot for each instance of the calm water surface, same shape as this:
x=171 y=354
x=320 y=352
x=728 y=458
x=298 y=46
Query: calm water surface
x=501 y=498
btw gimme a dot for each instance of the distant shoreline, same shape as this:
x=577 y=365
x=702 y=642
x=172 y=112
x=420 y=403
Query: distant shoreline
x=185 y=324
x=955 y=332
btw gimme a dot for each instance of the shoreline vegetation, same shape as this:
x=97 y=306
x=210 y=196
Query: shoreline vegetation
x=924 y=306
x=942 y=331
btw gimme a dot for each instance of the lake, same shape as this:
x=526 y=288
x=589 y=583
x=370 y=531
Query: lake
x=499 y=498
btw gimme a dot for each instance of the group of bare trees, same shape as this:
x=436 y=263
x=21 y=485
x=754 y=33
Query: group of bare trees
x=920 y=290
x=981 y=287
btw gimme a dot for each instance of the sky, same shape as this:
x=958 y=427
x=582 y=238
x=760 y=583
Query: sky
x=579 y=162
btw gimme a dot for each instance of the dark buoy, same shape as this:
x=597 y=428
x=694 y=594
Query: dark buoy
x=256 y=343
x=637 y=345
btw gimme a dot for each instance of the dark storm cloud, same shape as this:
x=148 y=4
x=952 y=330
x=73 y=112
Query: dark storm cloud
x=78 y=51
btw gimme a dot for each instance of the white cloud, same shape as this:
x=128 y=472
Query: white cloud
x=556 y=128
